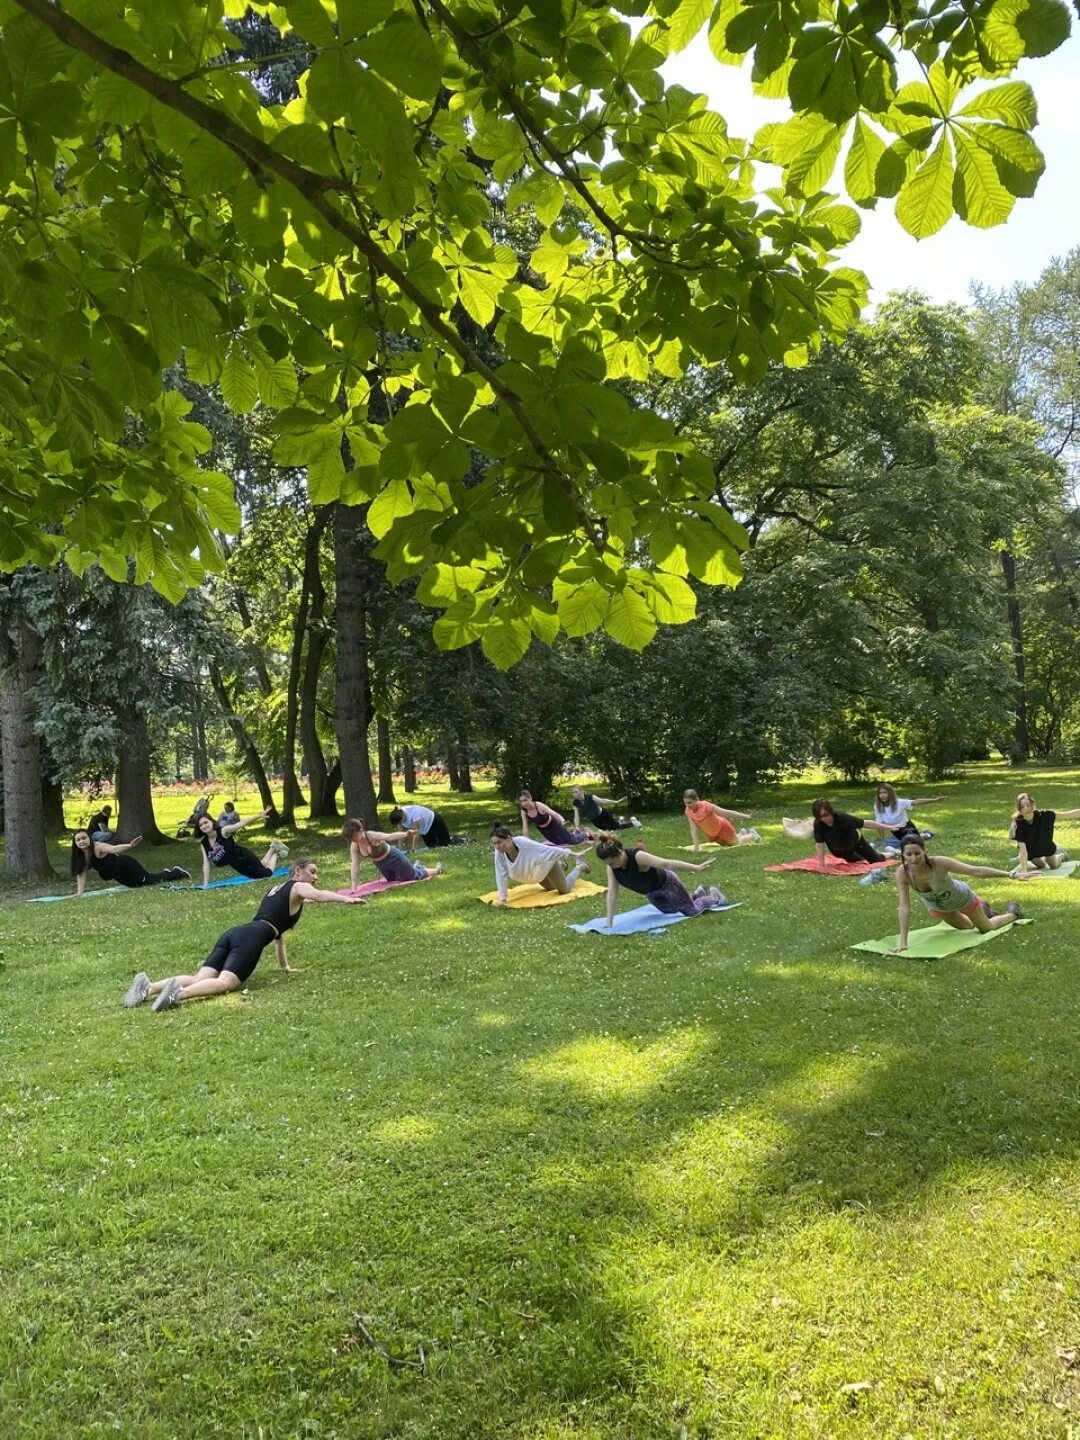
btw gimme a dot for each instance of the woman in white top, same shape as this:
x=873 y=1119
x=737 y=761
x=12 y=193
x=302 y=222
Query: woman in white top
x=892 y=811
x=531 y=862
x=424 y=822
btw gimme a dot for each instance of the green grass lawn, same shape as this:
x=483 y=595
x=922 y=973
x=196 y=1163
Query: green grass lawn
x=700 y=1185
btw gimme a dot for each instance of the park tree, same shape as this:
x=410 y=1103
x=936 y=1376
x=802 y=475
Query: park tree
x=156 y=202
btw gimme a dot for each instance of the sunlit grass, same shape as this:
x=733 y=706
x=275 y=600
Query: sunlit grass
x=736 y=1181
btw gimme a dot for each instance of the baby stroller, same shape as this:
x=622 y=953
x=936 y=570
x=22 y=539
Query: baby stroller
x=188 y=828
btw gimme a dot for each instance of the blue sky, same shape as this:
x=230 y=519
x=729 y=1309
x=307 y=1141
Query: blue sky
x=945 y=265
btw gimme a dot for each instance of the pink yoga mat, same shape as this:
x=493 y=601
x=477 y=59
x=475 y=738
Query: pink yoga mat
x=833 y=866
x=374 y=887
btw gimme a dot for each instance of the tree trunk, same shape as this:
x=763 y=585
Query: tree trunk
x=386 y=762
x=293 y=794
x=464 y=773
x=252 y=758
x=408 y=768
x=133 y=779
x=317 y=640
x=1021 y=740
x=25 y=854
x=330 y=789
x=451 y=762
x=52 y=807
x=352 y=697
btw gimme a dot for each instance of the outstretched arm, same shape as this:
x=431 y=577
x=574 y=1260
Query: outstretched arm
x=988 y=872
x=659 y=863
x=610 y=804
x=105 y=848
x=928 y=800
x=1068 y=814
x=309 y=892
x=877 y=825
x=732 y=814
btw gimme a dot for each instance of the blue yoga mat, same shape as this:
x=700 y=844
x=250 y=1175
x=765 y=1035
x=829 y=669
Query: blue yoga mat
x=642 y=921
x=241 y=880
x=88 y=895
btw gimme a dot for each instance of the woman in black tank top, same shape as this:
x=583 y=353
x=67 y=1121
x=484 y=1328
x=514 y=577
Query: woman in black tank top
x=653 y=878
x=112 y=862
x=219 y=848
x=233 y=959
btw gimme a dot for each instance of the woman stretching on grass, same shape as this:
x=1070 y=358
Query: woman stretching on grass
x=549 y=822
x=654 y=878
x=219 y=848
x=714 y=822
x=1033 y=831
x=112 y=862
x=382 y=850
x=890 y=810
x=945 y=898
x=233 y=959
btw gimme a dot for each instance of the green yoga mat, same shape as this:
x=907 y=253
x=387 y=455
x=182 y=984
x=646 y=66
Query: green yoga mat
x=933 y=942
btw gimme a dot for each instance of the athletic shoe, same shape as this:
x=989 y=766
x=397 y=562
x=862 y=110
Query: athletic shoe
x=1062 y=855
x=583 y=868
x=170 y=996
x=718 y=895
x=280 y=849
x=1014 y=909
x=873 y=877
x=636 y=823
x=755 y=836
x=891 y=852
x=927 y=834
x=440 y=869
x=138 y=990
x=699 y=893
x=178 y=873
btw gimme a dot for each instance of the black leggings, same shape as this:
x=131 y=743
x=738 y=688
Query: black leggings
x=860 y=850
x=438 y=834
x=126 y=871
x=607 y=821
x=240 y=949
x=245 y=863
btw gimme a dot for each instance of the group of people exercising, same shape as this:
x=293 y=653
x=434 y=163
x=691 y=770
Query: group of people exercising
x=554 y=863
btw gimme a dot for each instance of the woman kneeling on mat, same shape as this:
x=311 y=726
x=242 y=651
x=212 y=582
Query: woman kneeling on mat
x=714 y=822
x=219 y=848
x=112 y=862
x=391 y=863
x=839 y=833
x=233 y=959
x=654 y=878
x=945 y=898
x=530 y=862
x=1033 y=831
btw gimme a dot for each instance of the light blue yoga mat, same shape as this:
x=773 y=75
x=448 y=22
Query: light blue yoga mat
x=642 y=921
x=88 y=895
x=241 y=880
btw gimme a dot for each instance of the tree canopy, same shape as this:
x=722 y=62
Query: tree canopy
x=340 y=257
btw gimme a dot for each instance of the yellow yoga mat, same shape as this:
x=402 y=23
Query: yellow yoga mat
x=530 y=897
x=707 y=845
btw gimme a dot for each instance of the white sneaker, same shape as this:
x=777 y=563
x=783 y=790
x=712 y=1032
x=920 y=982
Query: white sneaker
x=699 y=893
x=280 y=849
x=718 y=895
x=1062 y=855
x=138 y=990
x=440 y=869
x=170 y=996
x=636 y=823
x=583 y=868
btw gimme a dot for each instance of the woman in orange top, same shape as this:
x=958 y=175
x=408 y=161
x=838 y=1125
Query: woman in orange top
x=714 y=822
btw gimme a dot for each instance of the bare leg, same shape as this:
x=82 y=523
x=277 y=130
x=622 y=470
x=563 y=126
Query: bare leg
x=214 y=985
x=270 y=859
x=1053 y=862
x=204 y=974
x=985 y=922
